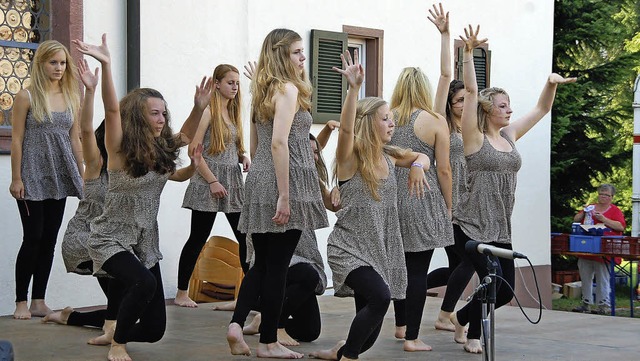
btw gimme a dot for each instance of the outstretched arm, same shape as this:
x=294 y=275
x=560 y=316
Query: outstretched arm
x=521 y=126
x=472 y=137
x=185 y=173
x=441 y=20
x=201 y=100
x=92 y=158
x=325 y=133
x=354 y=74
x=113 y=122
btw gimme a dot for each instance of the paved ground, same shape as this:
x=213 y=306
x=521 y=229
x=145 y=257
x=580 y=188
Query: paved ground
x=199 y=334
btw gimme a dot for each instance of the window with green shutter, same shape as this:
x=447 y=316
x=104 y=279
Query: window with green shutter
x=481 y=61
x=329 y=89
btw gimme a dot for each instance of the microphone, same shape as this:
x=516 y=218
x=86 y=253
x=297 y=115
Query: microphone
x=475 y=246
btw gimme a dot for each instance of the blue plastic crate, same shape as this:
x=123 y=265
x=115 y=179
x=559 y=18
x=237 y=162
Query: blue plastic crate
x=583 y=243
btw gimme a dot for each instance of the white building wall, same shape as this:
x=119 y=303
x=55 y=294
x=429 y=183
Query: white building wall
x=183 y=41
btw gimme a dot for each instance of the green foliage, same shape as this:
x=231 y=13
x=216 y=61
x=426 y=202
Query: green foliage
x=592 y=120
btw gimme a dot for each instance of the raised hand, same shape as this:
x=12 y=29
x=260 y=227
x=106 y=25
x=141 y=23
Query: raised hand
x=471 y=38
x=559 y=79
x=353 y=71
x=100 y=53
x=333 y=124
x=203 y=93
x=250 y=69
x=89 y=78
x=439 y=18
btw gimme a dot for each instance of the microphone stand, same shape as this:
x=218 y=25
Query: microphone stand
x=488 y=299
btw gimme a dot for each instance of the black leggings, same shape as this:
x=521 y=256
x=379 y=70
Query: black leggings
x=439 y=277
x=472 y=312
x=408 y=312
x=460 y=275
x=266 y=281
x=201 y=225
x=113 y=290
x=41 y=222
x=372 y=298
x=300 y=315
x=142 y=300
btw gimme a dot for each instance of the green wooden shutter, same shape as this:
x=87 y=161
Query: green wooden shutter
x=481 y=62
x=329 y=89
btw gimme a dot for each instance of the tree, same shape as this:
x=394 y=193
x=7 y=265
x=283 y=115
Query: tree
x=592 y=120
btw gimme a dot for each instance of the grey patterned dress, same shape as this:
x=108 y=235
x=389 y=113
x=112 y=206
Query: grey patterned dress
x=485 y=210
x=424 y=222
x=74 y=243
x=306 y=252
x=227 y=170
x=261 y=190
x=129 y=221
x=458 y=170
x=367 y=233
x=49 y=169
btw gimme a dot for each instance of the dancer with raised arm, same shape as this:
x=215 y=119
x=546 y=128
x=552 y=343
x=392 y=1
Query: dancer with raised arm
x=46 y=167
x=492 y=163
x=124 y=240
x=365 y=247
x=448 y=103
x=282 y=195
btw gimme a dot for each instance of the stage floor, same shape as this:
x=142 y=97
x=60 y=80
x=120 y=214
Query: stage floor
x=199 y=334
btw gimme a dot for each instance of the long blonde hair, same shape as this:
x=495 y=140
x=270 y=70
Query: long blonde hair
x=220 y=132
x=40 y=107
x=368 y=145
x=485 y=106
x=274 y=69
x=412 y=91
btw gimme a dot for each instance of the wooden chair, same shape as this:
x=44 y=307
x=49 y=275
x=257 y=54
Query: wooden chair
x=217 y=275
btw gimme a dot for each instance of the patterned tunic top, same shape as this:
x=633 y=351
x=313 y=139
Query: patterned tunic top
x=49 y=169
x=367 y=233
x=458 y=170
x=129 y=221
x=424 y=222
x=485 y=210
x=74 y=243
x=261 y=190
x=227 y=170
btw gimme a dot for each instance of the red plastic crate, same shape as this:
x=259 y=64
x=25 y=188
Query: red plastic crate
x=621 y=245
x=559 y=243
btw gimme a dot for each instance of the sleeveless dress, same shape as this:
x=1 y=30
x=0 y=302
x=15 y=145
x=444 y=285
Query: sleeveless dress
x=129 y=221
x=49 y=169
x=261 y=190
x=226 y=168
x=485 y=210
x=367 y=233
x=306 y=252
x=424 y=222
x=74 y=243
x=458 y=170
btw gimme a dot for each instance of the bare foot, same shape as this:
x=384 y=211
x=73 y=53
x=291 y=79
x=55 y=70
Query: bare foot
x=254 y=327
x=416 y=345
x=59 y=317
x=182 y=299
x=229 y=306
x=285 y=339
x=21 y=312
x=330 y=354
x=401 y=331
x=444 y=322
x=276 y=350
x=109 y=328
x=236 y=341
x=38 y=308
x=459 y=335
x=473 y=346
x=118 y=352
